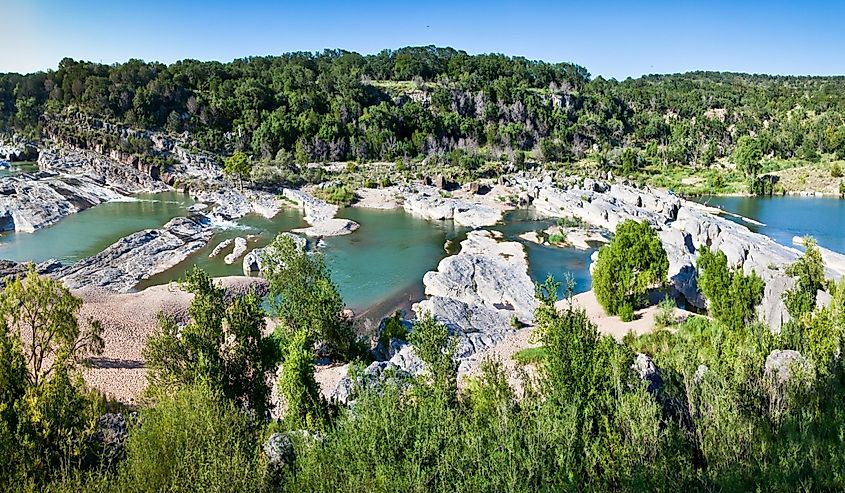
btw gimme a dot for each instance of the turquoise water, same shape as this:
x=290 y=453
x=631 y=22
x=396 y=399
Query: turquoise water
x=88 y=232
x=784 y=217
x=20 y=167
x=258 y=230
x=378 y=268
x=547 y=260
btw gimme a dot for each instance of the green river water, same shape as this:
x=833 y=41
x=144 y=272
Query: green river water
x=378 y=268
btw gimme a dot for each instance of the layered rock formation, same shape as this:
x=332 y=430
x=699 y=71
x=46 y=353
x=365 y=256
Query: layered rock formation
x=684 y=227
x=320 y=215
x=102 y=169
x=428 y=204
x=33 y=201
x=138 y=256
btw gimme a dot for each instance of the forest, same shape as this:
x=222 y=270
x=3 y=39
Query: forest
x=443 y=105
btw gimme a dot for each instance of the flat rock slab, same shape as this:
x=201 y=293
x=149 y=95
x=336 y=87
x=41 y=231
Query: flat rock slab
x=330 y=227
x=138 y=256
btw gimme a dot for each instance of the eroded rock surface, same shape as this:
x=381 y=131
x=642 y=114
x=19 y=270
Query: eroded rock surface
x=478 y=292
x=428 y=204
x=140 y=255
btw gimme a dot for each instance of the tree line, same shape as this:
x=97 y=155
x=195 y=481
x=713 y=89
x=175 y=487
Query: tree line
x=419 y=102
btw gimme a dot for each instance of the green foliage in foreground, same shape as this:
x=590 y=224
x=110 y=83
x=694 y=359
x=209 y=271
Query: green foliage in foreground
x=222 y=344
x=715 y=419
x=628 y=267
x=304 y=298
x=46 y=415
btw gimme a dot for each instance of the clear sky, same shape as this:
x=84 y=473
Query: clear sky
x=610 y=38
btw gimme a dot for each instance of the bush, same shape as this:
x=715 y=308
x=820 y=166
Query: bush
x=303 y=297
x=665 y=316
x=626 y=312
x=629 y=266
x=195 y=440
x=305 y=406
x=732 y=297
x=223 y=345
x=836 y=170
x=808 y=271
x=557 y=239
x=342 y=196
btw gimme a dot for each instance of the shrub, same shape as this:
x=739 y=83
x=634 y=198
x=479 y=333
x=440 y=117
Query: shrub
x=665 y=316
x=393 y=329
x=732 y=297
x=629 y=266
x=836 y=170
x=223 y=345
x=626 y=312
x=342 y=196
x=305 y=406
x=195 y=440
x=557 y=238
x=808 y=271
x=303 y=297
x=571 y=222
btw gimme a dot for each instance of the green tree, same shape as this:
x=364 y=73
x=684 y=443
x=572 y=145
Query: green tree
x=808 y=272
x=305 y=406
x=748 y=155
x=732 y=297
x=46 y=415
x=223 y=344
x=238 y=165
x=304 y=297
x=42 y=312
x=629 y=266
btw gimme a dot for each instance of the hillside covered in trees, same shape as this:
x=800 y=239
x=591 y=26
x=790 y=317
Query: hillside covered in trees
x=443 y=104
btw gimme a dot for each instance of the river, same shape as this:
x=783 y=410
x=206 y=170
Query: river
x=782 y=218
x=378 y=268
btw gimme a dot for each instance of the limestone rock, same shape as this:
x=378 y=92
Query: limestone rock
x=648 y=372
x=781 y=365
x=330 y=227
x=237 y=251
x=220 y=247
x=279 y=452
x=477 y=292
x=432 y=206
x=138 y=256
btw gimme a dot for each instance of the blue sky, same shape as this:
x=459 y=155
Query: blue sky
x=610 y=38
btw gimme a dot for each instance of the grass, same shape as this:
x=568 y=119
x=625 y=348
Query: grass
x=530 y=356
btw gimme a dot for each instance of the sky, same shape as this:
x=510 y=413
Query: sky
x=616 y=39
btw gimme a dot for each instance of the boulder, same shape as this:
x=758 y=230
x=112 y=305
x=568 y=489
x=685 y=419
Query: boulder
x=648 y=372
x=279 y=452
x=220 y=247
x=782 y=365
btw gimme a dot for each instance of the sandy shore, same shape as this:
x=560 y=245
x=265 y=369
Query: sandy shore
x=128 y=319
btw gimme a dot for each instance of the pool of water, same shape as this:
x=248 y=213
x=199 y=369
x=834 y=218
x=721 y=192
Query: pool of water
x=785 y=217
x=546 y=260
x=20 y=167
x=88 y=232
x=378 y=269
